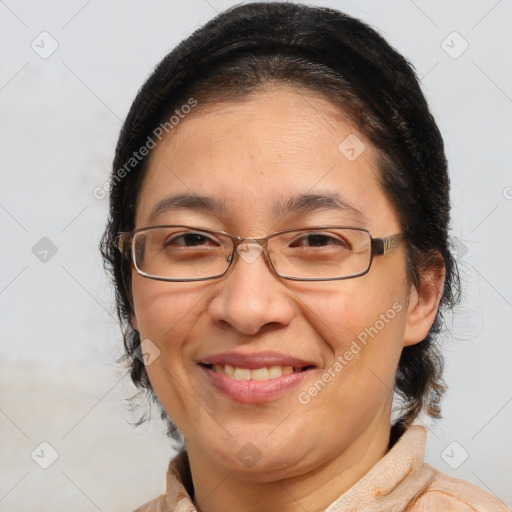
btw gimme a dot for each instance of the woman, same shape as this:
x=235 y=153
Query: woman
x=279 y=212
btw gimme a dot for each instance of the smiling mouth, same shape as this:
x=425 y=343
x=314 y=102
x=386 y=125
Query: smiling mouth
x=258 y=374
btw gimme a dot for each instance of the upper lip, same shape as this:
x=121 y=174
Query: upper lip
x=255 y=360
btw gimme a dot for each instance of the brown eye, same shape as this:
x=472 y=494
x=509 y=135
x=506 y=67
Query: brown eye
x=319 y=240
x=189 y=239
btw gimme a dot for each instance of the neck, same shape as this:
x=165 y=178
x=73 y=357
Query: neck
x=217 y=489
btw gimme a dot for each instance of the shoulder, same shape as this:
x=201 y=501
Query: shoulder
x=178 y=486
x=157 y=505
x=447 y=493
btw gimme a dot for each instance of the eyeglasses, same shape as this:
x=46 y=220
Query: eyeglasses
x=185 y=253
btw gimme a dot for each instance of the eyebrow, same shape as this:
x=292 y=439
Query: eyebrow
x=302 y=203
x=190 y=202
x=306 y=203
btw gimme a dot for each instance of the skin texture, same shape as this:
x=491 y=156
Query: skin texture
x=274 y=145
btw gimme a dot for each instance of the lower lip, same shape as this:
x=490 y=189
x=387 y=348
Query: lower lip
x=254 y=391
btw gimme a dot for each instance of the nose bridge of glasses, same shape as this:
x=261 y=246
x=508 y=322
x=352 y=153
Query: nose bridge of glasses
x=250 y=248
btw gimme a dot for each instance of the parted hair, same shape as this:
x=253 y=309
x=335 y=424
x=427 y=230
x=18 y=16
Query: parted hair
x=250 y=48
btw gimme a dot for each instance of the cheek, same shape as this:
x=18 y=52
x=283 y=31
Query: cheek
x=363 y=334
x=362 y=324
x=166 y=311
x=350 y=310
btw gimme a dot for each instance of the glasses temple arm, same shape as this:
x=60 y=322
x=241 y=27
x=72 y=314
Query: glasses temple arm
x=384 y=245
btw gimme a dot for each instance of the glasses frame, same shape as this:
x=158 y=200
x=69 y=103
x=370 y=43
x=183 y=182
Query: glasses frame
x=378 y=247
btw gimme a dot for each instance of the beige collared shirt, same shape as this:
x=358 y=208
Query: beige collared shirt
x=400 y=481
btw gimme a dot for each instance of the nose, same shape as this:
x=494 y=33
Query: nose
x=250 y=297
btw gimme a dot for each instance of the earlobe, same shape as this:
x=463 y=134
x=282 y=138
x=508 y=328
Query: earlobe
x=133 y=322
x=423 y=304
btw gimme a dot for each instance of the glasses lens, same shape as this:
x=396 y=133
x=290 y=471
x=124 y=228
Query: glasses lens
x=180 y=253
x=184 y=253
x=321 y=253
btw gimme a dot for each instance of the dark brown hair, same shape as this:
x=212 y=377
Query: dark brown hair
x=251 y=47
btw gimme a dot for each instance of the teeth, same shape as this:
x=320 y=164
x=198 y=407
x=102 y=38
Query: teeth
x=260 y=374
x=228 y=369
x=242 y=374
x=274 y=372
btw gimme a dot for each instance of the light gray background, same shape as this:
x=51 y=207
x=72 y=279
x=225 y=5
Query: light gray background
x=59 y=119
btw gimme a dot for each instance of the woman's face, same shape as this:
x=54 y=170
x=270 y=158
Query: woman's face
x=251 y=157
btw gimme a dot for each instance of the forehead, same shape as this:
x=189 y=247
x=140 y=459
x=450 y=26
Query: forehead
x=263 y=154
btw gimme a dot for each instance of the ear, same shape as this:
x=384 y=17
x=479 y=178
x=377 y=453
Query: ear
x=423 y=304
x=133 y=322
